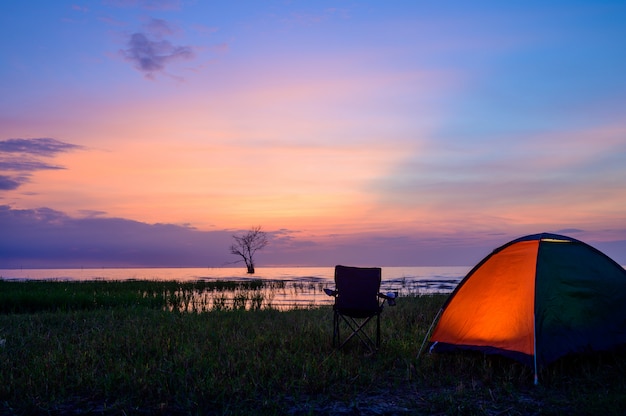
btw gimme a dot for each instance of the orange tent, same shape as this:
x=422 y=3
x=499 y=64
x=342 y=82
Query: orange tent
x=536 y=299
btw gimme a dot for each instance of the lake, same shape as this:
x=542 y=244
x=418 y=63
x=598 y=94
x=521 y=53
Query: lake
x=298 y=286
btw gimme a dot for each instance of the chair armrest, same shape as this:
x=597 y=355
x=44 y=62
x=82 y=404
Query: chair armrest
x=390 y=297
x=330 y=292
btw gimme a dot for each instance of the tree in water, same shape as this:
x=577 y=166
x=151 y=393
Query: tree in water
x=248 y=244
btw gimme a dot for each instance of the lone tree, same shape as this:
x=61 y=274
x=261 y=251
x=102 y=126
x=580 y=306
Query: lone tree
x=248 y=244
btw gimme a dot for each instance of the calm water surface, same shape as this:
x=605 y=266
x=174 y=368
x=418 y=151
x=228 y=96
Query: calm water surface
x=300 y=286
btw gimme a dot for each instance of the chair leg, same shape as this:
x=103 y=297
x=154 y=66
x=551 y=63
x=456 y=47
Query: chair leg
x=335 y=329
x=358 y=330
x=377 y=331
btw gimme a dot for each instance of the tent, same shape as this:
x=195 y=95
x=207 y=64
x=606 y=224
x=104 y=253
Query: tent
x=536 y=299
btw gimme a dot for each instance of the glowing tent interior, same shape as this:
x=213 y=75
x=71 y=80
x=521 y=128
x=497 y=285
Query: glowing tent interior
x=536 y=299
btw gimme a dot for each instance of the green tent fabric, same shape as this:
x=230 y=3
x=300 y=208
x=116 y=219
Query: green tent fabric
x=536 y=299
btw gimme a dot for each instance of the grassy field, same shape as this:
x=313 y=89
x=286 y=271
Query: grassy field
x=124 y=349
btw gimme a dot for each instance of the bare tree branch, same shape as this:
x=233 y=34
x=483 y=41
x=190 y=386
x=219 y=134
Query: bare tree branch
x=248 y=244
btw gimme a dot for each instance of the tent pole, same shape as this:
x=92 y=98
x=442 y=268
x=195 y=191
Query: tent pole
x=428 y=333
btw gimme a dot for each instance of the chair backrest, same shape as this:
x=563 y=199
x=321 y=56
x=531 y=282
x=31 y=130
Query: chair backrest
x=357 y=288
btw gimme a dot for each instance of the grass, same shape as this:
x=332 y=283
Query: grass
x=197 y=296
x=135 y=357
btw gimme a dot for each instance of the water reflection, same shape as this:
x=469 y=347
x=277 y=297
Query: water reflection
x=279 y=288
x=290 y=294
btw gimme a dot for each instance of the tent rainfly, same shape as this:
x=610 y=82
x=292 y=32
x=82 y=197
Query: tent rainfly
x=536 y=299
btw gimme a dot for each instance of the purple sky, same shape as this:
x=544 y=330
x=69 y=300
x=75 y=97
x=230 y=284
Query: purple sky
x=148 y=132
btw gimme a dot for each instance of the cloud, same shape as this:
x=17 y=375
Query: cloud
x=24 y=155
x=92 y=213
x=9 y=183
x=567 y=231
x=159 y=28
x=78 y=8
x=111 y=21
x=48 y=238
x=150 y=52
x=40 y=147
x=146 y=4
x=24 y=164
x=45 y=237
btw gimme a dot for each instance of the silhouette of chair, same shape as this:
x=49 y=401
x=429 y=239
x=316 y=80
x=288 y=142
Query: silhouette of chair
x=357 y=301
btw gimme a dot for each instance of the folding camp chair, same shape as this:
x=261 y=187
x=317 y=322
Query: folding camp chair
x=358 y=300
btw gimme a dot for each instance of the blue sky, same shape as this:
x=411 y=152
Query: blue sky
x=373 y=133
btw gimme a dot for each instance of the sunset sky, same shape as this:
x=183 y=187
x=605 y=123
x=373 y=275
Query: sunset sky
x=148 y=132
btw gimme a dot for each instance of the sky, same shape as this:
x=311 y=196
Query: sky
x=395 y=133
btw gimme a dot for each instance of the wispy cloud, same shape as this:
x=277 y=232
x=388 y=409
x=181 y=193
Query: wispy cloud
x=314 y=17
x=146 y=4
x=9 y=183
x=24 y=164
x=25 y=155
x=160 y=27
x=150 y=53
x=79 y=8
x=39 y=147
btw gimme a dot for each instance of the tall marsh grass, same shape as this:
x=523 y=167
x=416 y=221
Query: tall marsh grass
x=199 y=296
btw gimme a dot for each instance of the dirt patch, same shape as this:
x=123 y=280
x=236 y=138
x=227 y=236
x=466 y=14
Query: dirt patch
x=366 y=405
x=441 y=401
